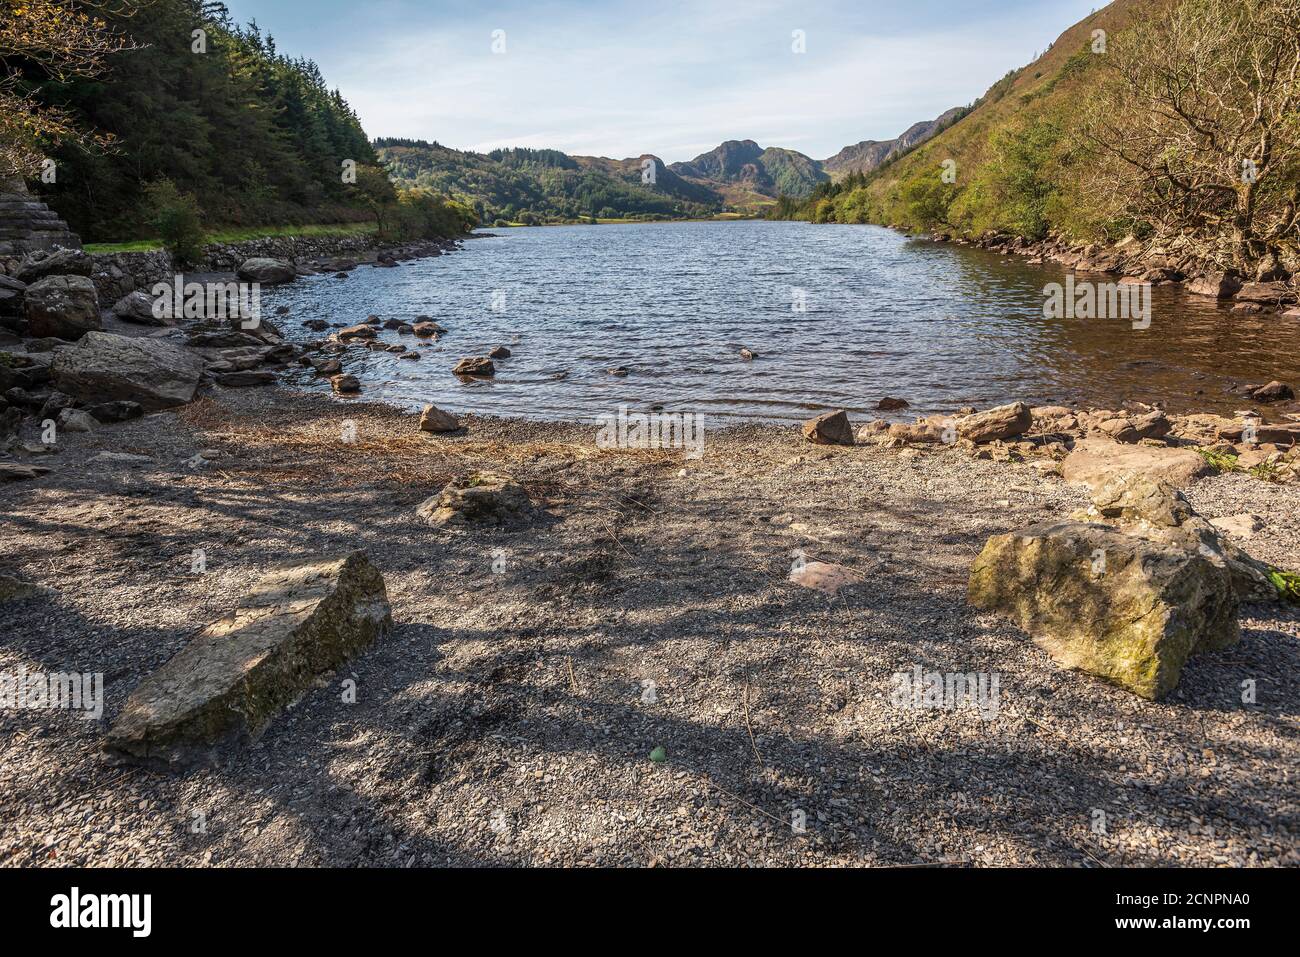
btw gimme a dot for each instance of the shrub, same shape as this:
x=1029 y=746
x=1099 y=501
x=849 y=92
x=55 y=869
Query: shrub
x=177 y=219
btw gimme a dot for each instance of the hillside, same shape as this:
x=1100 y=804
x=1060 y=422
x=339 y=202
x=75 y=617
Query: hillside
x=866 y=156
x=256 y=137
x=524 y=185
x=1171 y=121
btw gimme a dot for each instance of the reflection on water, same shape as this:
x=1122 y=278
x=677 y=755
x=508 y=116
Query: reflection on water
x=939 y=325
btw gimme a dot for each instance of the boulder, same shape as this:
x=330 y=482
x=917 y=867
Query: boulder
x=245 y=378
x=426 y=330
x=75 y=420
x=1127 y=609
x=66 y=307
x=1094 y=461
x=1218 y=285
x=499 y=352
x=824 y=577
x=1273 y=392
x=103 y=367
x=1265 y=293
x=15 y=589
x=117 y=411
x=1152 y=425
x=13 y=472
x=830 y=428
x=1155 y=509
x=297 y=623
x=62 y=262
x=485 y=498
x=268 y=272
x=345 y=383
x=890 y=403
x=137 y=307
x=1002 y=422
x=918 y=432
x=475 y=366
x=361 y=331
x=433 y=419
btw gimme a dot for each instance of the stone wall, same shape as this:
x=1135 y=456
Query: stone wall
x=27 y=225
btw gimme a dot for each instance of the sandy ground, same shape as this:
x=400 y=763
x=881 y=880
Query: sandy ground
x=509 y=717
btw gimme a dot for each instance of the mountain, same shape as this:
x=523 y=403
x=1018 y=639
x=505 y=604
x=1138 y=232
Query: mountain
x=746 y=174
x=527 y=185
x=869 y=154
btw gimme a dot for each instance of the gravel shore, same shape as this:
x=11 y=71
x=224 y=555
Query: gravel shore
x=509 y=717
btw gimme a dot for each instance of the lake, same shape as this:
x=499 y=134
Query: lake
x=839 y=317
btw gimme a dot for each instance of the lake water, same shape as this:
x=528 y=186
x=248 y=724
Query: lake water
x=941 y=326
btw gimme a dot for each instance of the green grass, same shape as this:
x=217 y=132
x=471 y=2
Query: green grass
x=1221 y=461
x=1286 y=583
x=241 y=235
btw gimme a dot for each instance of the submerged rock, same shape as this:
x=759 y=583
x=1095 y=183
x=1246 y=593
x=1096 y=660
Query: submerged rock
x=226 y=685
x=475 y=366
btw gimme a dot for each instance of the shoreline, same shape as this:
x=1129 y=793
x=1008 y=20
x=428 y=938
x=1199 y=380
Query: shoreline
x=503 y=720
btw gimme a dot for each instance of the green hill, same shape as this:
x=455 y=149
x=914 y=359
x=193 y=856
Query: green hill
x=526 y=185
x=1173 y=121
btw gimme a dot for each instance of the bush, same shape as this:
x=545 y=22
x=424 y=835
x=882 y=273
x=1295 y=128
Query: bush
x=177 y=219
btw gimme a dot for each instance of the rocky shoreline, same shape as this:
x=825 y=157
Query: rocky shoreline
x=1272 y=287
x=484 y=641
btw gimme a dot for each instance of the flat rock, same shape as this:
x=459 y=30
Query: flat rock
x=245 y=378
x=14 y=472
x=225 y=686
x=1094 y=461
x=1244 y=525
x=102 y=367
x=823 y=577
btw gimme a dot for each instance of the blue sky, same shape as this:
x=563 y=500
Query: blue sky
x=624 y=78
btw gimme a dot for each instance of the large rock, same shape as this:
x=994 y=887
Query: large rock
x=103 y=367
x=1094 y=461
x=1217 y=285
x=268 y=272
x=1002 y=422
x=60 y=262
x=1122 y=607
x=485 y=498
x=66 y=307
x=475 y=366
x=137 y=307
x=226 y=685
x=434 y=419
x=832 y=428
x=1155 y=509
x=1263 y=293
